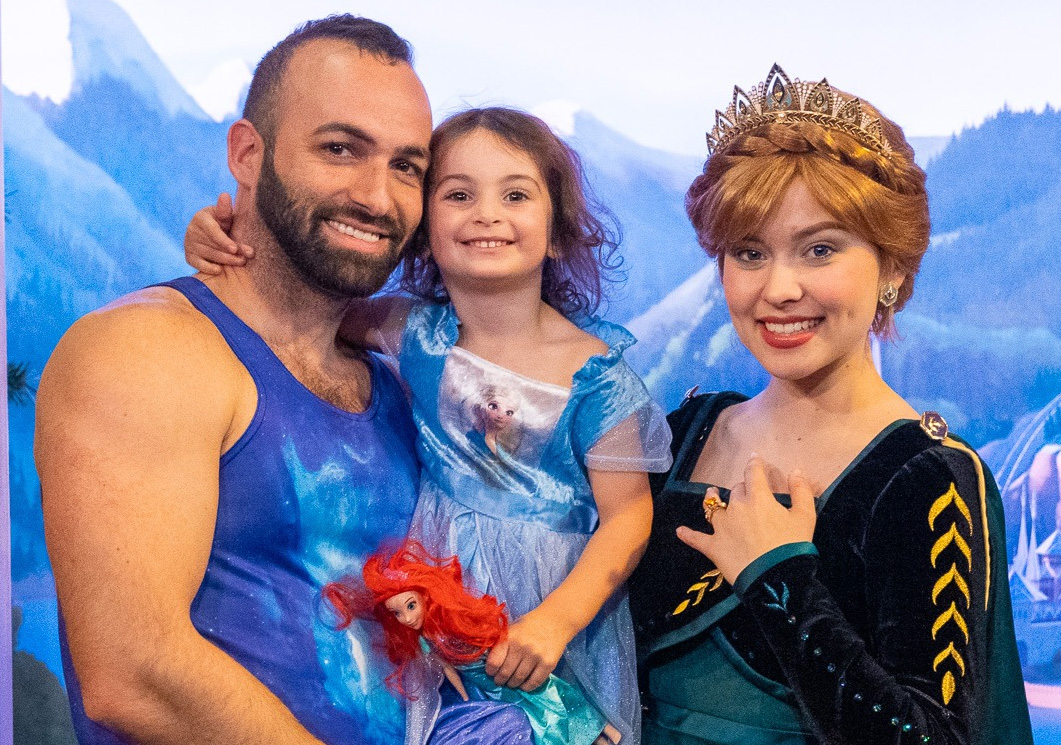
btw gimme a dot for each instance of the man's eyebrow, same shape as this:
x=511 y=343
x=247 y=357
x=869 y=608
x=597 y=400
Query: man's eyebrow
x=356 y=133
x=346 y=129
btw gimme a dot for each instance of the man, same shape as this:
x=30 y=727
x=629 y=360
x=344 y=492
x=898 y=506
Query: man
x=210 y=455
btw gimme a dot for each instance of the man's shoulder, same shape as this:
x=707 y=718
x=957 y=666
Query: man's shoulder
x=158 y=318
x=138 y=336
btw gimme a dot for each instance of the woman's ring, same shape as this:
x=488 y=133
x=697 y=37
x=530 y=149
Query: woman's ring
x=712 y=503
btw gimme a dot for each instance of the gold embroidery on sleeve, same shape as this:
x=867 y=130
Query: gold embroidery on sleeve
x=951 y=614
x=952 y=576
x=952 y=536
x=714 y=579
x=948 y=687
x=952 y=653
x=981 y=484
x=951 y=496
x=950 y=541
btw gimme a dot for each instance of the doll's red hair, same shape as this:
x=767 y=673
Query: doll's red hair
x=459 y=625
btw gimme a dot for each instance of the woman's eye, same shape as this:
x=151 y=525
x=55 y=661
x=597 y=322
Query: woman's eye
x=336 y=148
x=747 y=255
x=821 y=251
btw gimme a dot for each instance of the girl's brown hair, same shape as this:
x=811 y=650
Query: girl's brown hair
x=583 y=249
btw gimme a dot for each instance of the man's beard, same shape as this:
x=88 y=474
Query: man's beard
x=297 y=226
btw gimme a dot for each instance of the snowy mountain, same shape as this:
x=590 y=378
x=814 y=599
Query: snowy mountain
x=75 y=240
x=645 y=189
x=107 y=44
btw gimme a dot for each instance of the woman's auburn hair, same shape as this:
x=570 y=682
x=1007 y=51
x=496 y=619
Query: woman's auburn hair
x=880 y=198
x=460 y=625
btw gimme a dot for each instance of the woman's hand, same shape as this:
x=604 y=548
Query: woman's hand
x=207 y=245
x=754 y=522
x=525 y=659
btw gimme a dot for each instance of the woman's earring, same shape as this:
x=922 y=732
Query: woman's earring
x=888 y=295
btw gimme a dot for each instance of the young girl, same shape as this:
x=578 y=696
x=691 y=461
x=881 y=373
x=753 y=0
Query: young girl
x=427 y=614
x=552 y=518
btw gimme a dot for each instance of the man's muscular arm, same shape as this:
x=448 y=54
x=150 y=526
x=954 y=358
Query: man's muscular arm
x=134 y=410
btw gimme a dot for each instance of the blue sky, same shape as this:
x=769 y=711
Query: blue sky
x=655 y=71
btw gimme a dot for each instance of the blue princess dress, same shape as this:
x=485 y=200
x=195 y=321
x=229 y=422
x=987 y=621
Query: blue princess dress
x=505 y=487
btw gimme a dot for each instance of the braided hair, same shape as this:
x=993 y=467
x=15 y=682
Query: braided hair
x=881 y=198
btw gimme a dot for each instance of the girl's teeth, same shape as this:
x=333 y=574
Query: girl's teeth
x=790 y=328
x=352 y=231
x=488 y=244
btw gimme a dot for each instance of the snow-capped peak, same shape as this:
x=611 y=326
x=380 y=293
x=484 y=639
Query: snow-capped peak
x=559 y=115
x=106 y=43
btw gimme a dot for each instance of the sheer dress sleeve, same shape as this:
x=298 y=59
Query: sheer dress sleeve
x=618 y=427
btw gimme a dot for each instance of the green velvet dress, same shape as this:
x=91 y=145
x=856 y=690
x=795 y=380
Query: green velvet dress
x=893 y=626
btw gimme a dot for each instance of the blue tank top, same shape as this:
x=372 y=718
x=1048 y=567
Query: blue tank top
x=306 y=494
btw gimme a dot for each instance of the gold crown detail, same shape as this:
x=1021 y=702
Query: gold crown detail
x=778 y=99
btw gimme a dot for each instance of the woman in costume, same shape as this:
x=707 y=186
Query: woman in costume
x=877 y=611
x=434 y=628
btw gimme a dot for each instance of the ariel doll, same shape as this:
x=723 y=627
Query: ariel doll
x=434 y=627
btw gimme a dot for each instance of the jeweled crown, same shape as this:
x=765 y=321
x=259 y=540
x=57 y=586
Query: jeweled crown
x=779 y=99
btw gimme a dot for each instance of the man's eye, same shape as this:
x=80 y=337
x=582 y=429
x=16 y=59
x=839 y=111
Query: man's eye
x=406 y=166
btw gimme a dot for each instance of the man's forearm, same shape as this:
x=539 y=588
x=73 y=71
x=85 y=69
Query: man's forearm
x=190 y=693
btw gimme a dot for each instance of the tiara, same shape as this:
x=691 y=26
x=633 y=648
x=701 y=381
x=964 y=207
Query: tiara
x=778 y=99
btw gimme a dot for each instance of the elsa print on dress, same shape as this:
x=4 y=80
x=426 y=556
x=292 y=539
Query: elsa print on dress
x=496 y=416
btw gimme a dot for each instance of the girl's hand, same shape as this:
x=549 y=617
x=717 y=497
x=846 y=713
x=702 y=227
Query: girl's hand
x=525 y=659
x=754 y=522
x=207 y=245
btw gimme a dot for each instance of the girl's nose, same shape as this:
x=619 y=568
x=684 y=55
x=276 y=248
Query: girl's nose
x=487 y=213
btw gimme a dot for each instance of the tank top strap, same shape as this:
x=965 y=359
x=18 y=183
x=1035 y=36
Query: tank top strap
x=249 y=347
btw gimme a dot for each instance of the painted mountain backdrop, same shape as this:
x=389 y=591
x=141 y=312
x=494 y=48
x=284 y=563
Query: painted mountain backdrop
x=100 y=187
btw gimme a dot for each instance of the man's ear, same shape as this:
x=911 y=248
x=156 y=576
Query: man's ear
x=246 y=149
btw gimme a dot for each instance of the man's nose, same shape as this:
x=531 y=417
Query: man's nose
x=370 y=188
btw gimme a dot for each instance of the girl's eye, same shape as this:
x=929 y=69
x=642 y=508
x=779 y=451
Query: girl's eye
x=457 y=196
x=517 y=196
x=411 y=605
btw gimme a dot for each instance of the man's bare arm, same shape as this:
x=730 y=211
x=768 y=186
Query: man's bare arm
x=134 y=410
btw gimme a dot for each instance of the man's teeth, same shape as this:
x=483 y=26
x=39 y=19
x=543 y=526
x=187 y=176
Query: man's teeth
x=489 y=244
x=790 y=328
x=352 y=231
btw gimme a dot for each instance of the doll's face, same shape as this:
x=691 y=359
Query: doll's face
x=408 y=608
x=500 y=408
